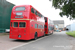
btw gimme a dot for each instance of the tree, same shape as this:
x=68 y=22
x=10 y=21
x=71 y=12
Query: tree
x=67 y=7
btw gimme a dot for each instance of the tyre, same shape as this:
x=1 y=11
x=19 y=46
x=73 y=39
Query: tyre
x=35 y=36
x=44 y=34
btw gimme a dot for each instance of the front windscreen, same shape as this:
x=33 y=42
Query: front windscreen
x=20 y=9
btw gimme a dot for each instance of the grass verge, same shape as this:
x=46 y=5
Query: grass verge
x=71 y=33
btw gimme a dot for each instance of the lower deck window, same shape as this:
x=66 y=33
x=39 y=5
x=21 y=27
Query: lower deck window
x=22 y=24
x=38 y=26
x=15 y=24
x=41 y=26
x=35 y=25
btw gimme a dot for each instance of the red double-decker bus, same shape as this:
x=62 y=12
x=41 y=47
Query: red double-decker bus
x=26 y=23
x=49 y=26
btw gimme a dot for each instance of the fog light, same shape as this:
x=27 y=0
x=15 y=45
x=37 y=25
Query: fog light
x=24 y=34
x=19 y=36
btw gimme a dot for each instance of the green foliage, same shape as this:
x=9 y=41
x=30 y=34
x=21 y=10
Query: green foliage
x=67 y=7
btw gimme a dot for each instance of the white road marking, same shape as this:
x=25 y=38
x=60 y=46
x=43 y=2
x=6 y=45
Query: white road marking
x=27 y=43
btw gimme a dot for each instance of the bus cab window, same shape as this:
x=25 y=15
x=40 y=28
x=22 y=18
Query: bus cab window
x=22 y=24
x=15 y=24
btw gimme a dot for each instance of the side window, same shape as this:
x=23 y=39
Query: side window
x=35 y=25
x=22 y=24
x=42 y=16
x=11 y=24
x=45 y=26
x=50 y=28
x=39 y=14
x=36 y=12
x=32 y=25
x=15 y=24
x=41 y=26
x=32 y=10
x=38 y=26
x=53 y=28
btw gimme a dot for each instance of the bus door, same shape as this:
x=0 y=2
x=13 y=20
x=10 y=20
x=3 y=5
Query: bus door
x=22 y=29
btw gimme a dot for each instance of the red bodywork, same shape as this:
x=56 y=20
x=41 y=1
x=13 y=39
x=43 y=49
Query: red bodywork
x=29 y=19
x=49 y=26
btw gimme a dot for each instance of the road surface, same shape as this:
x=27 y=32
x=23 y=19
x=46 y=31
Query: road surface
x=57 y=41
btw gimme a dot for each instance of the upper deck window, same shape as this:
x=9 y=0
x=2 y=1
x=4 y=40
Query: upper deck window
x=42 y=16
x=39 y=14
x=32 y=10
x=36 y=12
x=20 y=9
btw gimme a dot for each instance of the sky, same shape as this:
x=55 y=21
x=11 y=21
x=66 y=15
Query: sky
x=45 y=8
